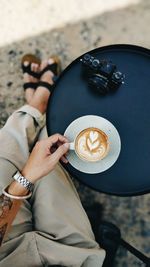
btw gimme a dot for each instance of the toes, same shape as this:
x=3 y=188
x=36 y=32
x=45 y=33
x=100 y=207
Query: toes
x=37 y=67
x=43 y=64
x=33 y=67
x=46 y=62
x=25 y=63
x=50 y=61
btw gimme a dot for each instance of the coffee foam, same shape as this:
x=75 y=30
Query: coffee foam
x=91 y=144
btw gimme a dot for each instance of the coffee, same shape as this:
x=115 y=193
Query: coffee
x=92 y=144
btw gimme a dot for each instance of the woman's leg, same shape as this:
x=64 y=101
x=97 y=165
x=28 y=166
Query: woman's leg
x=63 y=231
x=17 y=138
x=71 y=243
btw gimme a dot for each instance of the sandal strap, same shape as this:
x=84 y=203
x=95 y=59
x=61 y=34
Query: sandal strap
x=27 y=69
x=30 y=85
x=48 y=86
x=52 y=67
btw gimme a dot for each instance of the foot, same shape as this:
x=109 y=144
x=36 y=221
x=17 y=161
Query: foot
x=41 y=95
x=29 y=92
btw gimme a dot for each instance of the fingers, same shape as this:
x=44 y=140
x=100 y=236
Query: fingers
x=55 y=147
x=59 y=153
x=64 y=159
x=55 y=138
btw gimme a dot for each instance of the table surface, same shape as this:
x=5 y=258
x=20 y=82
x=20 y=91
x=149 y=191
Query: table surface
x=128 y=109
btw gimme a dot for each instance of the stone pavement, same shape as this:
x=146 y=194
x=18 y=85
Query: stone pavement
x=126 y=25
x=21 y=19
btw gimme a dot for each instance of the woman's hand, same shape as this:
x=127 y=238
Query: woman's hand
x=44 y=157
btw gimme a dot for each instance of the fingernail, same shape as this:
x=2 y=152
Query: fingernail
x=67 y=145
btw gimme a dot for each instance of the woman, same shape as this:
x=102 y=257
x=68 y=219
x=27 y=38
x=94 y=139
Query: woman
x=48 y=223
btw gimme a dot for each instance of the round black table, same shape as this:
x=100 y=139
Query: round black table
x=128 y=109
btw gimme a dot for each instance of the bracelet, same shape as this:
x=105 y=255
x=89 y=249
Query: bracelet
x=15 y=197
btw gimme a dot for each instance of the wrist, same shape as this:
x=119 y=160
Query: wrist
x=15 y=192
x=28 y=175
x=23 y=181
x=17 y=189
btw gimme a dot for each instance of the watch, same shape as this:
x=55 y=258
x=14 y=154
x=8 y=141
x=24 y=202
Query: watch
x=23 y=181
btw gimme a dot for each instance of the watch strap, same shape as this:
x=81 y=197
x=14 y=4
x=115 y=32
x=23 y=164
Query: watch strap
x=23 y=181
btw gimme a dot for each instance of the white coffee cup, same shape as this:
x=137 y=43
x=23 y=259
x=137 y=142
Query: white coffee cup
x=88 y=139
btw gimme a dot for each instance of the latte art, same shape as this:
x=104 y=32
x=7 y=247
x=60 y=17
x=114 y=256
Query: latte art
x=93 y=141
x=91 y=144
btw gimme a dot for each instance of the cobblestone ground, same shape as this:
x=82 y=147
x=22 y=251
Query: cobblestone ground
x=129 y=25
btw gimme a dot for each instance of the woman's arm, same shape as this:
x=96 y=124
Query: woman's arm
x=41 y=161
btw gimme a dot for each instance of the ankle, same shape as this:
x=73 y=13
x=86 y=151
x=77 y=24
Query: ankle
x=40 y=105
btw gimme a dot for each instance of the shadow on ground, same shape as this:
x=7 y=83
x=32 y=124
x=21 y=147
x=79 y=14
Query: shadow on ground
x=128 y=25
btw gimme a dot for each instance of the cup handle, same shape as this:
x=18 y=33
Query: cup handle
x=71 y=146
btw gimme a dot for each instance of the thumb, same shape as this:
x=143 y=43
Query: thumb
x=61 y=150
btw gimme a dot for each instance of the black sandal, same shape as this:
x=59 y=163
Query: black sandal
x=55 y=68
x=27 y=69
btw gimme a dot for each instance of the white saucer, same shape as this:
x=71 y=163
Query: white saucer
x=113 y=137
